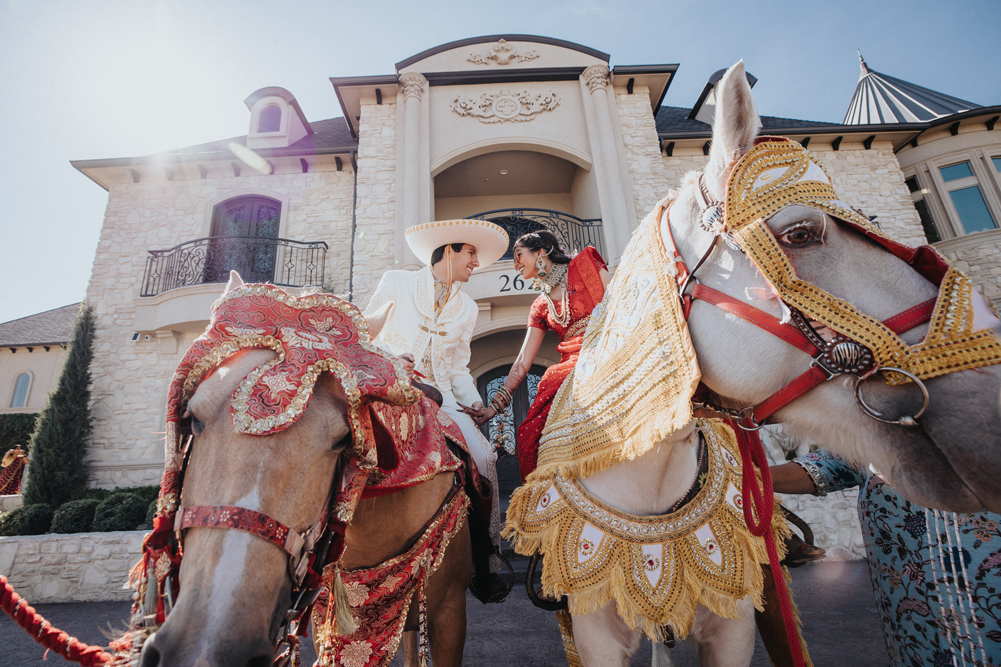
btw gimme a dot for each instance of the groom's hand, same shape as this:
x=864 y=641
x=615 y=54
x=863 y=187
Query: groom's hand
x=408 y=362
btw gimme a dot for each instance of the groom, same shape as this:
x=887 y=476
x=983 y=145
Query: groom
x=429 y=324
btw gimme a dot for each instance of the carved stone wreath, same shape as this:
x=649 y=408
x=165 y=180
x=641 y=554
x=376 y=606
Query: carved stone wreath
x=505 y=105
x=502 y=53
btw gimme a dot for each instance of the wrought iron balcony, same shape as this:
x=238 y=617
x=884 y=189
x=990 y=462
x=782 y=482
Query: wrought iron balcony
x=574 y=233
x=209 y=260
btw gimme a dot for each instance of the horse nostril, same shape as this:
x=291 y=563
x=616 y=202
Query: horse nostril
x=150 y=656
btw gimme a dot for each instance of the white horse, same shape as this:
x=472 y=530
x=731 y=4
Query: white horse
x=950 y=461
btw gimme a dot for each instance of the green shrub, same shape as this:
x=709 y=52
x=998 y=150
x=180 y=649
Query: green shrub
x=76 y=516
x=150 y=511
x=119 y=511
x=148 y=493
x=28 y=520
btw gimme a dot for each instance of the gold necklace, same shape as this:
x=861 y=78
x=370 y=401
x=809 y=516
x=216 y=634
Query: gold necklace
x=546 y=283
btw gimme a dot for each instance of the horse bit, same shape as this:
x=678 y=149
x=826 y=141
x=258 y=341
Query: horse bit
x=839 y=356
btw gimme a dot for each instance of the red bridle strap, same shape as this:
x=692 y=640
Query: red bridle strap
x=815 y=375
x=791 y=334
x=247 y=520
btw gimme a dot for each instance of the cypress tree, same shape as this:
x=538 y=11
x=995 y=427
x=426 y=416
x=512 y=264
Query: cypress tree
x=61 y=437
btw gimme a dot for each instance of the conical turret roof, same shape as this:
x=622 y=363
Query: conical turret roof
x=884 y=99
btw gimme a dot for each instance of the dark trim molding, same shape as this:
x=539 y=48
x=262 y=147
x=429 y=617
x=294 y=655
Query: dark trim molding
x=671 y=69
x=489 y=39
x=836 y=144
x=503 y=76
x=868 y=142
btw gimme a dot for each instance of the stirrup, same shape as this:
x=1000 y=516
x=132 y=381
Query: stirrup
x=488 y=597
x=534 y=595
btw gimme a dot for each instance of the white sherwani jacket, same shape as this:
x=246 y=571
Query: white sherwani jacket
x=443 y=341
x=412 y=327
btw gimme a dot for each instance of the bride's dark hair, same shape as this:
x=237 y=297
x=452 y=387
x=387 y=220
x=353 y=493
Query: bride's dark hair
x=545 y=241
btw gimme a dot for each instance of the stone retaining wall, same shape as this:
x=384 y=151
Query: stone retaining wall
x=79 y=567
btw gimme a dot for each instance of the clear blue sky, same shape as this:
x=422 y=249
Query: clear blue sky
x=100 y=79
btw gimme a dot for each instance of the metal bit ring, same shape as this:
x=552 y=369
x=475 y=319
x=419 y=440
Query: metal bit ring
x=906 y=420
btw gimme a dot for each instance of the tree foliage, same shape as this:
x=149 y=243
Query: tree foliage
x=16 y=429
x=61 y=437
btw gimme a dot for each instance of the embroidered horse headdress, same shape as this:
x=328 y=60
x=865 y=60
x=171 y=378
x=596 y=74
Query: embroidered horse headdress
x=779 y=172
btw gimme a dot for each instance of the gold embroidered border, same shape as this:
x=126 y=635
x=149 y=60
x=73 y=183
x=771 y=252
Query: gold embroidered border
x=657 y=569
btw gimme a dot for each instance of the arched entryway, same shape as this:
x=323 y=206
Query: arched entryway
x=503 y=430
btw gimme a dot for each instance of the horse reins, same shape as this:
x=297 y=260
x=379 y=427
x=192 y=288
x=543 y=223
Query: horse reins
x=839 y=356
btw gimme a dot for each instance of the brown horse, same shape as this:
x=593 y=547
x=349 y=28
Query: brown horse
x=235 y=587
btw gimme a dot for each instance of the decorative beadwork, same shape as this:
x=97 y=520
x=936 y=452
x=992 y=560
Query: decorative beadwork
x=777 y=173
x=657 y=569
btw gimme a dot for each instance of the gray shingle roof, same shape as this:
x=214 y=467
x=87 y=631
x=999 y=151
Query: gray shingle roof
x=330 y=133
x=52 y=327
x=672 y=120
x=880 y=98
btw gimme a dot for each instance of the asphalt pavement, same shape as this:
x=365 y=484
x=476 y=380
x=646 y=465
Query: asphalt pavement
x=836 y=604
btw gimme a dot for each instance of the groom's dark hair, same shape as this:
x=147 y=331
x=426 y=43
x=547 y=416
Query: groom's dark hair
x=437 y=255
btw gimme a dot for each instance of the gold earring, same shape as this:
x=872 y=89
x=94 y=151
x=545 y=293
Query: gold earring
x=540 y=265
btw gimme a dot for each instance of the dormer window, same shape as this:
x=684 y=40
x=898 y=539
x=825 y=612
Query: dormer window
x=270 y=119
x=276 y=121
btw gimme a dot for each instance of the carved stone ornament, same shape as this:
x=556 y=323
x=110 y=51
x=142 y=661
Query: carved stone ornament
x=505 y=105
x=413 y=84
x=596 y=77
x=502 y=53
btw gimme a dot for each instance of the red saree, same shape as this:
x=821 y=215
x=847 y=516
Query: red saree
x=585 y=291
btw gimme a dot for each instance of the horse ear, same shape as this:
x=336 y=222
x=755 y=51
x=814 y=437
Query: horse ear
x=379 y=318
x=234 y=281
x=735 y=126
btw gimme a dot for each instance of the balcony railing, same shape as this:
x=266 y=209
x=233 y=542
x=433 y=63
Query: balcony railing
x=209 y=260
x=574 y=233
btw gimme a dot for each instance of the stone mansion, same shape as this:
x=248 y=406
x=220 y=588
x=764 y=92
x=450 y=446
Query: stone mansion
x=527 y=131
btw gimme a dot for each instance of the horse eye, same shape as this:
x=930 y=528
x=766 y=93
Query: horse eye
x=797 y=237
x=196 y=425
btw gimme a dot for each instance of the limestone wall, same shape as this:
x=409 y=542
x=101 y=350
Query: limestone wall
x=79 y=567
x=130 y=379
x=869 y=179
x=375 y=242
x=978 y=256
x=643 y=159
x=833 y=518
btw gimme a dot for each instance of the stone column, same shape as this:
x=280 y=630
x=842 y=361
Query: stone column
x=614 y=214
x=413 y=91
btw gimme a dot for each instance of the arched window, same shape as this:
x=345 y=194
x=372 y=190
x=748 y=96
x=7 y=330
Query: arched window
x=270 y=119
x=21 y=386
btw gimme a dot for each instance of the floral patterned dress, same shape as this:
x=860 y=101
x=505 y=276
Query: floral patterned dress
x=936 y=575
x=584 y=292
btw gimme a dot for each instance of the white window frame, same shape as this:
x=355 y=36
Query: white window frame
x=27 y=392
x=978 y=160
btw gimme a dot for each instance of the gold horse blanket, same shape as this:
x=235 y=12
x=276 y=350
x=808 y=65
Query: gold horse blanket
x=631 y=389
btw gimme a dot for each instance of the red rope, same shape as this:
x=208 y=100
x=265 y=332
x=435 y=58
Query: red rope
x=764 y=505
x=46 y=635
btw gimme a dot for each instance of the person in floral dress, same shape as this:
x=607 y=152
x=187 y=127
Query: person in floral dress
x=571 y=288
x=936 y=575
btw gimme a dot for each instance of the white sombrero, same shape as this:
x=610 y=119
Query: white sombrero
x=490 y=240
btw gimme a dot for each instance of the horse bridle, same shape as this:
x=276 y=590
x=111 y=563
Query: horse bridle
x=839 y=356
x=299 y=547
